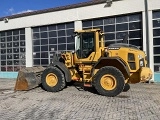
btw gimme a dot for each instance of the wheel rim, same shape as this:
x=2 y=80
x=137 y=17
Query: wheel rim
x=108 y=82
x=51 y=80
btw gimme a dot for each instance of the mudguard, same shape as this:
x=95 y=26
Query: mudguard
x=64 y=69
x=112 y=61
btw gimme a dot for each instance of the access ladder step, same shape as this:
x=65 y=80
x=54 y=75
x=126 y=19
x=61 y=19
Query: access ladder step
x=87 y=85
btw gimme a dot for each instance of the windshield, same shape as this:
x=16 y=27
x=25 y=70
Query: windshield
x=87 y=40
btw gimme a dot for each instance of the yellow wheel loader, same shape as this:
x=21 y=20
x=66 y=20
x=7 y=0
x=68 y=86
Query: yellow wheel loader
x=109 y=69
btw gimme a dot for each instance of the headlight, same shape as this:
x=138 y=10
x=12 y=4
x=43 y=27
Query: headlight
x=141 y=62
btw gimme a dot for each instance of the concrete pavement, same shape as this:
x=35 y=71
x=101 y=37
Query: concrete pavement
x=141 y=102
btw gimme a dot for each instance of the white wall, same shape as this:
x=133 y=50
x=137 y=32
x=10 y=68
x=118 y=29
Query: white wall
x=29 y=51
x=94 y=11
x=118 y=7
x=153 y=4
x=78 y=25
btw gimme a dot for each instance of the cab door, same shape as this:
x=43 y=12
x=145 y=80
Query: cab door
x=85 y=47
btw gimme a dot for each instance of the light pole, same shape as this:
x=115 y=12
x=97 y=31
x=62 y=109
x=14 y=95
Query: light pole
x=147 y=30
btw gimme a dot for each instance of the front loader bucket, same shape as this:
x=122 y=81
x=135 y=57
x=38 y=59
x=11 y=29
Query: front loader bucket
x=28 y=78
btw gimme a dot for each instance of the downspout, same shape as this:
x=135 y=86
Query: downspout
x=147 y=30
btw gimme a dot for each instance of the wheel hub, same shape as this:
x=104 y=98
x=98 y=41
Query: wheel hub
x=108 y=82
x=51 y=79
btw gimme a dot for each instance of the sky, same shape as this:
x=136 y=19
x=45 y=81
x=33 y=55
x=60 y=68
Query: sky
x=11 y=7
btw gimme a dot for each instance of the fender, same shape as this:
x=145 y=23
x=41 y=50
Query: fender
x=63 y=68
x=112 y=61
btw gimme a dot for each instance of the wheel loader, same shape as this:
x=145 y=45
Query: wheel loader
x=109 y=69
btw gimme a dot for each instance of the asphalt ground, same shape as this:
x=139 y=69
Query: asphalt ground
x=141 y=102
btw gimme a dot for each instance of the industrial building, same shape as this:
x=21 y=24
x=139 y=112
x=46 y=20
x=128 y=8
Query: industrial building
x=28 y=39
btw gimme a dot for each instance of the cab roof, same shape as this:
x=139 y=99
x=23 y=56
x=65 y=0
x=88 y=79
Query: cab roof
x=88 y=30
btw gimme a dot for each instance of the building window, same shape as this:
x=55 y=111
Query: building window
x=156 y=40
x=47 y=39
x=116 y=28
x=12 y=50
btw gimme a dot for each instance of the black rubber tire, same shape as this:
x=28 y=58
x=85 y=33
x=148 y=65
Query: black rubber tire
x=116 y=73
x=61 y=80
x=126 y=87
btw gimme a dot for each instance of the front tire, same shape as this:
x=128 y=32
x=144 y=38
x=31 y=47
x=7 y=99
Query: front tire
x=109 y=81
x=53 y=79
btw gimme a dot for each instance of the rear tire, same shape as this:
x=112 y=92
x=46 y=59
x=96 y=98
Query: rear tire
x=126 y=87
x=109 y=81
x=53 y=79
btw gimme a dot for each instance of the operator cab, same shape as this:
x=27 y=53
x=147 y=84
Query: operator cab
x=87 y=42
x=84 y=44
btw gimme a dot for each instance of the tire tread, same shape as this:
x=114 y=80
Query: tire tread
x=61 y=83
x=116 y=73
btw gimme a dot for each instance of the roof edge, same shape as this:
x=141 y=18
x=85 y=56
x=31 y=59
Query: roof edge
x=77 y=5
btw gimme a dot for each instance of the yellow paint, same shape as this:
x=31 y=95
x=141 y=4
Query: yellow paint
x=108 y=82
x=145 y=74
x=85 y=65
x=81 y=68
x=74 y=75
x=51 y=80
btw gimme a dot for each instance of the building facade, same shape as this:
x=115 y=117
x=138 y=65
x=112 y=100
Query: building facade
x=29 y=39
